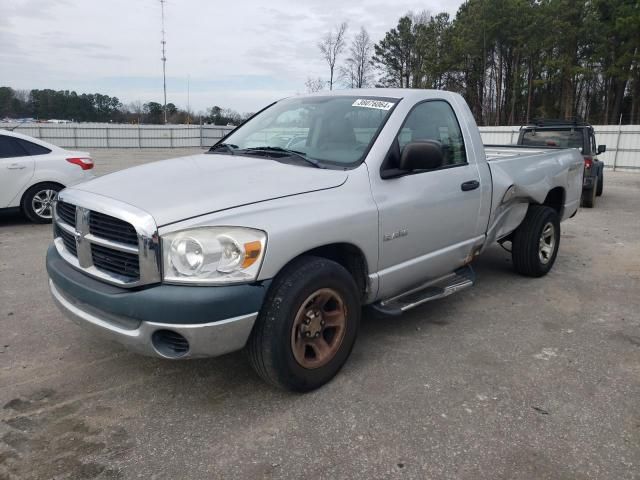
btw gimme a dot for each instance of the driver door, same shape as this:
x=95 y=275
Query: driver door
x=429 y=219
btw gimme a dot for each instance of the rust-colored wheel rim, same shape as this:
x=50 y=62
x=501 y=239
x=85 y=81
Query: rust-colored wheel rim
x=319 y=328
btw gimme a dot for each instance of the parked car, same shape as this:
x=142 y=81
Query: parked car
x=386 y=203
x=571 y=134
x=33 y=172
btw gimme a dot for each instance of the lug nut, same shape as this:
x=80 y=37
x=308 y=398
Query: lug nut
x=307 y=334
x=317 y=334
x=307 y=321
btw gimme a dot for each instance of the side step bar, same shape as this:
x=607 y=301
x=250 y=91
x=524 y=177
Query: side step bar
x=442 y=287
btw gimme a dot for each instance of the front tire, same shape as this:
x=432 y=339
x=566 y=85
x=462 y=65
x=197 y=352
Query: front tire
x=307 y=326
x=37 y=202
x=536 y=241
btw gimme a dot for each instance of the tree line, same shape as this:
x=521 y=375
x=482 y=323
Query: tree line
x=512 y=60
x=95 y=107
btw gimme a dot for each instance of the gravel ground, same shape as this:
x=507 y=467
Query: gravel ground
x=515 y=378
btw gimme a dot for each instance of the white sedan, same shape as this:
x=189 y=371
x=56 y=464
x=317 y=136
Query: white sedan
x=32 y=172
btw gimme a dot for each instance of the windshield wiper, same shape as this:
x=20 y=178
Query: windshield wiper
x=292 y=153
x=228 y=147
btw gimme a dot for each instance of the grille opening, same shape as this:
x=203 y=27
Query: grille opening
x=66 y=212
x=68 y=240
x=169 y=344
x=114 y=261
x=112 y=228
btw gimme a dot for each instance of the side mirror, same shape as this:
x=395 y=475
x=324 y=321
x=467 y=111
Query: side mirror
x=602 y=149
x=422 y=155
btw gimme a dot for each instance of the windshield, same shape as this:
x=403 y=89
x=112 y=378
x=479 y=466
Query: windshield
x=563 y=138
x=327 y=131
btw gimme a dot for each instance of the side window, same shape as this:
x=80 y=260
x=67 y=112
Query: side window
x=435 y=120
x=32 y=148
x=594 y=149
x=10 y=148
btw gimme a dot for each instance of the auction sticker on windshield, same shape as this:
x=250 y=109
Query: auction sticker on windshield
x=379 y=104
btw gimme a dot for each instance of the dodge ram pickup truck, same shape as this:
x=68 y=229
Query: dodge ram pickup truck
x=275 y=238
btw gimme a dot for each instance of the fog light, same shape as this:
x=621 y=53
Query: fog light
x=170 y=344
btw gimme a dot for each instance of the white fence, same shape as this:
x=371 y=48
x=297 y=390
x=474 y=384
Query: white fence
x=107 y=135
x=623 y=143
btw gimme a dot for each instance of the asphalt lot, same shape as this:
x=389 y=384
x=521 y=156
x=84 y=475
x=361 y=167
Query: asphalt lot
x=514 y=378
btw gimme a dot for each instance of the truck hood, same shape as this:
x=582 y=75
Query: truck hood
x=180 y=188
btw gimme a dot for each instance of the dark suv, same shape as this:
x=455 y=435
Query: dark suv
x=571 y=134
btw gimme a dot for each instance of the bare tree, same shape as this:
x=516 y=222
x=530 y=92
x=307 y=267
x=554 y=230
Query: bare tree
x=314 y=84
x=331 y=47
x=358 y=68
x=347 y=74
x=136 y=107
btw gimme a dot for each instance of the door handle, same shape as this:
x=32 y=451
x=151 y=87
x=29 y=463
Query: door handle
x=16 y=166
x=470 y=185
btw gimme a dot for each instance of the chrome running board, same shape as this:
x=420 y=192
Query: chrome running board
x=442 y=287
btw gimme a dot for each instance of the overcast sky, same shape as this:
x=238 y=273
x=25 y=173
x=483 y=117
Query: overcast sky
x=239 y=54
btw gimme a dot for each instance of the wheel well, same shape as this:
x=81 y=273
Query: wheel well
x=555 y=199
x=35 y=185
x=350 y=257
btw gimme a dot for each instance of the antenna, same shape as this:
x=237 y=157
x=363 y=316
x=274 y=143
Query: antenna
x=164 y=63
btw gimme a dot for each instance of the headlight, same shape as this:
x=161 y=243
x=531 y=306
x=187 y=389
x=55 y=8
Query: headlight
x=213 y=255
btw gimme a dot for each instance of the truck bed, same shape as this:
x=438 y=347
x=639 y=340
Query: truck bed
x=529 y=174
x=499 y=152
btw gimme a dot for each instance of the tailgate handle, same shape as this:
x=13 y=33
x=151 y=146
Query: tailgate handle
x=470 y=185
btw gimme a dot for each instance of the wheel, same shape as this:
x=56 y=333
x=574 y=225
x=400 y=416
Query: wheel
x=536 y=241
x=37 y=202
x=307 y=325
x=600 y=185
x=589 y=197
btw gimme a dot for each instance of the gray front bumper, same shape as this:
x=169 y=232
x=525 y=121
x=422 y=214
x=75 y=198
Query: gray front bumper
x=205 y=339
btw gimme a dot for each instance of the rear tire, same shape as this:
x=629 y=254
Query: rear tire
x=307 y=326
x=589 y=197
x=600 y=185
x=536 y=241
x=37 y=202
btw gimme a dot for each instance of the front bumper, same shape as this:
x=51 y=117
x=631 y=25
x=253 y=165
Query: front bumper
x=212 y=320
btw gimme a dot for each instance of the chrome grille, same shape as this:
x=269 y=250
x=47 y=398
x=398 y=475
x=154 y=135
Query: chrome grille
x=67 y=213
x=124 y=252
x=121 y=263
x=112 y=228
x=69 y=241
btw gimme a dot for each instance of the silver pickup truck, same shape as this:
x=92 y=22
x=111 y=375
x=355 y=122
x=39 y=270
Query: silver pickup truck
x=275 y=238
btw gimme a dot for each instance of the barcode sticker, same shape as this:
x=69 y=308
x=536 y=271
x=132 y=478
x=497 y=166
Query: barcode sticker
x=367 y=103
